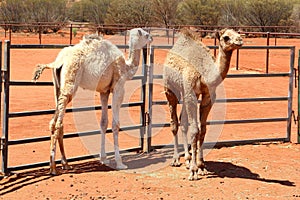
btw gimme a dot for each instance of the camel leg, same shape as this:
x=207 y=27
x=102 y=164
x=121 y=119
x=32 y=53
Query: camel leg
x=56 y=126
x=205 y=107
x=172 y=102
x=64 y=161
x=184 y=129
x=190 y=101
x=117 y=99
x=103 y=125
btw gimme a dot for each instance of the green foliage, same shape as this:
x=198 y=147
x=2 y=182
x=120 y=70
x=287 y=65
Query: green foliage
x=266 y=13
x=153 y=12
x=89 y=11
x=198 y=12
x=232 y=12
x=129 y=12
x=164 y=11
x=29 y=11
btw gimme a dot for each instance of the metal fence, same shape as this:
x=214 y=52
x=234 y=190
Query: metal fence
x=153 y=78
x=146 y=125
x=7 y=114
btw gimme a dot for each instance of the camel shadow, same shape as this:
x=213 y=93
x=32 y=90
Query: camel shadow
x=229 y=170
x=17 y=181
x=137 y=162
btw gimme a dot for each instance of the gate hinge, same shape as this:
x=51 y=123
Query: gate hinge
x=3 y=143
x=294 y=117
x=296 y=74
x=147 y=118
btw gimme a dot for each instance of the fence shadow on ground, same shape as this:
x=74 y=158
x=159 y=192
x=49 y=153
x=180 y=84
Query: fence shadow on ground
x=139 y=162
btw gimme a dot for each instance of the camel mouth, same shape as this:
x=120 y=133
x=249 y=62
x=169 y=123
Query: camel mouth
x=150 y=39
x=239 y=45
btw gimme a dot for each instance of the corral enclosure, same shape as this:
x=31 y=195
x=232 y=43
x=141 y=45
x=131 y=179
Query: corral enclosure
x=251 y=61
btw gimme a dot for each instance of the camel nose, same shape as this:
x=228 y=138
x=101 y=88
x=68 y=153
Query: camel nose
x=239 y=42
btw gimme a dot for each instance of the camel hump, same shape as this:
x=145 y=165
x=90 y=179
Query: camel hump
x=190 y=34
x=189 y=47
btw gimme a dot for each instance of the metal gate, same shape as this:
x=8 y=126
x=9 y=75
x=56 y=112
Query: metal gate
x=8 y=115
x=146 y=124
x=154 y=78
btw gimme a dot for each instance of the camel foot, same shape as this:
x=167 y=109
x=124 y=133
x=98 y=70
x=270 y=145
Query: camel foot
x=187 y=164
x=121 y=166
x=53 y=172
x=175 y=163
x=66 y=166
x=103 y=160
x=193 y=176
x=202 y=171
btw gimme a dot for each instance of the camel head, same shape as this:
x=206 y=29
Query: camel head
x=139 y=38
x=229 y=40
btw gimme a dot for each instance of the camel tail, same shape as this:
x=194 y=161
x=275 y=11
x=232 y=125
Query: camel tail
x=39 y=70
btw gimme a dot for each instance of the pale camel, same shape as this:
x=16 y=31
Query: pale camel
x=98 y=65
x=191 y=70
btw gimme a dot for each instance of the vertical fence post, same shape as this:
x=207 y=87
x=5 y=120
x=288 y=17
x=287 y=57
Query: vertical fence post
x=40 y=32
x=290 y=94
x=298 y=117
x=173 y=36
x=1 y=78
x=6 y=77
x=71 y=30
x=237 y=57
x=150 y=100
x=143 y=97
x=215 y=44
x=268 y=52
x=9 y=32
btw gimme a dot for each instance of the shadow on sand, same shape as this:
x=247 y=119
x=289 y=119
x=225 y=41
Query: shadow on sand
x=229 y=170
x=142 y=163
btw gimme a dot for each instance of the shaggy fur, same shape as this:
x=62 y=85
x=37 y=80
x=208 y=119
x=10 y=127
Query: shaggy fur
x=98 y=65
x=190 y=71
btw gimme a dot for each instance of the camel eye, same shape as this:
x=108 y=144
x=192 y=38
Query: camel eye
x=226 y=38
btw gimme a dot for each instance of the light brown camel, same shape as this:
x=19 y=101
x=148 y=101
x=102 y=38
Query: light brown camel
x=98 y=65
x=190 y=71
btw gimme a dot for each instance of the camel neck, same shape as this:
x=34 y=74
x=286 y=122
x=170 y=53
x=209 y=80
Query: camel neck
x=223 y=62
x=134 y=57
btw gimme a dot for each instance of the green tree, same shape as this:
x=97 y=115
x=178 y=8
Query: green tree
x=129 y=12
x=12 y=11
x=266 y=13
x=231 y=13
x=93 y=11
x=97 y=10
x=199 y=12
x=164 y=11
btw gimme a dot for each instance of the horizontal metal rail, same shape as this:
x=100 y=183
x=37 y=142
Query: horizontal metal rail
x=71 y=135
x=288 y=98
x=287 y=74
x=233 y=100
x=237 y=121
x=69 y=110
x=7 y=115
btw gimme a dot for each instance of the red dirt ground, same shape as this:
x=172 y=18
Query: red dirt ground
x=261 y=171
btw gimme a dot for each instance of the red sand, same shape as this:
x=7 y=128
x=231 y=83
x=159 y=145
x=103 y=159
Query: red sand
x=265 y=171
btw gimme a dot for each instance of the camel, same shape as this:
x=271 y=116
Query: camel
x=190 y=71
x=98 y=65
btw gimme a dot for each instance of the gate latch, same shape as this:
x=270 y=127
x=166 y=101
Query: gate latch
x=2 y=143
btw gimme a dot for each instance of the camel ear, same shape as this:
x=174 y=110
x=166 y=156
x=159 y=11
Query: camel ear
x=217 y=35
x=140 y=32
